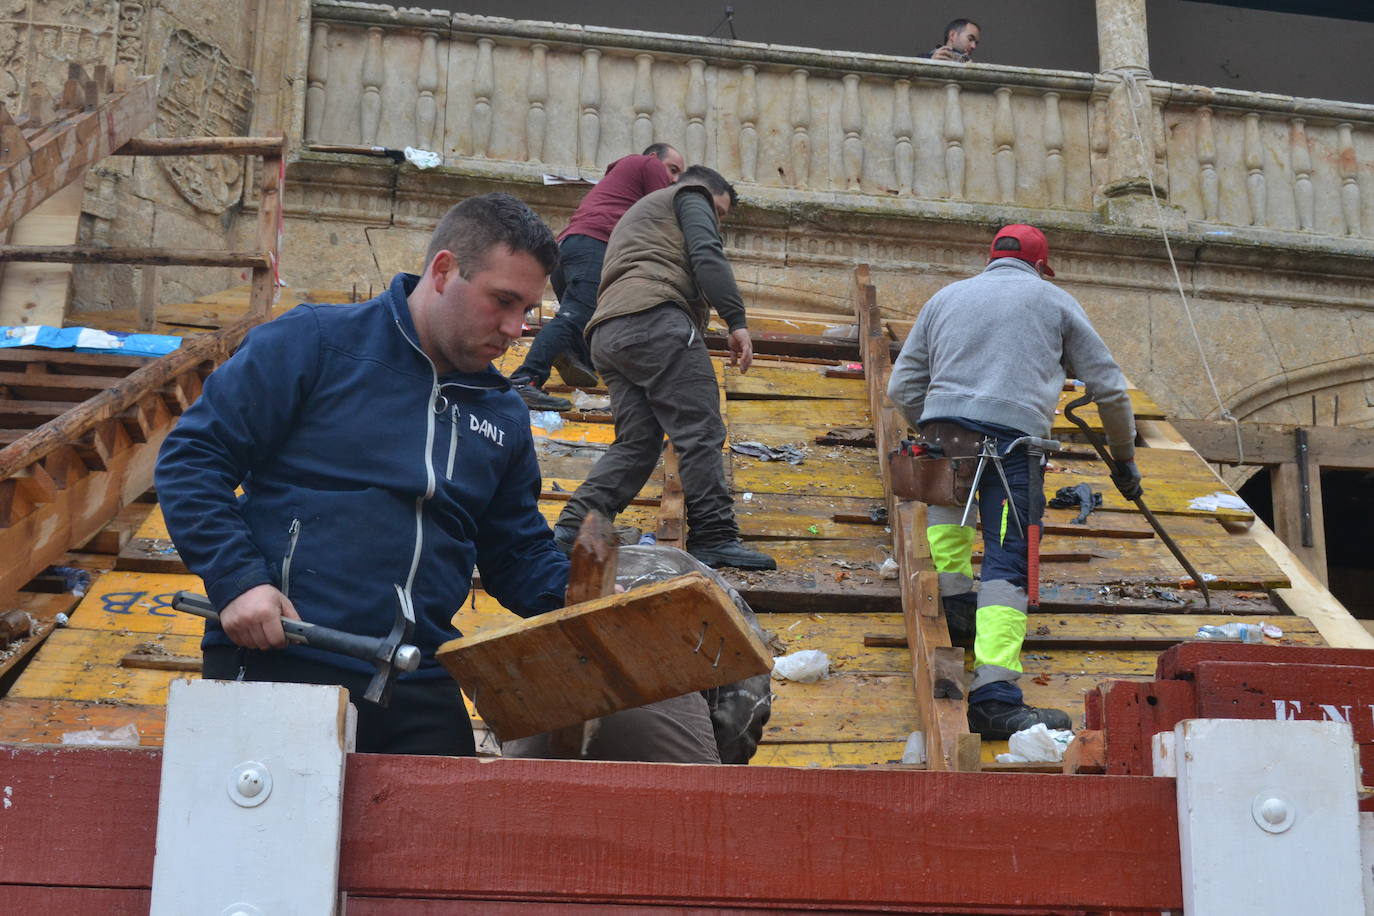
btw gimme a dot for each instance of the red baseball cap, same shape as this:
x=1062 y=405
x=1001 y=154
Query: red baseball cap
x=1027 y=243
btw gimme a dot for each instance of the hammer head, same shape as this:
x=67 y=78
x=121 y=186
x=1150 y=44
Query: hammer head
x=395 y=654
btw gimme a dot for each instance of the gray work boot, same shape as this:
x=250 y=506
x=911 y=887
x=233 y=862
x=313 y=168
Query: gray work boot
x=575 y=372
x=732 y=553
x=535 y=399
x=998 y=720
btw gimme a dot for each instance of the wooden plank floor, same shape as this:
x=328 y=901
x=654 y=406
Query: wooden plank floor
x=819 y=519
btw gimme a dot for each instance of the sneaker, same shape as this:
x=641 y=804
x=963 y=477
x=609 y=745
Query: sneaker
x=575 y=372
x=564 y=538
x=998 y=720
x=536 y=399
x=732 y=553
x=961 y=611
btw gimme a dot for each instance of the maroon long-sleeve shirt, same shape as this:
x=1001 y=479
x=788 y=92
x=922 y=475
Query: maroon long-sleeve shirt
x=626 y=181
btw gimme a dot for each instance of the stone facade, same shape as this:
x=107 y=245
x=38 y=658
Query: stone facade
x=905 y=164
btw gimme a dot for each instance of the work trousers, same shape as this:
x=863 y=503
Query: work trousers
x=575 y=282
x=661 y=380
x=424 y=716
x=677 y=730
x=1001 y=615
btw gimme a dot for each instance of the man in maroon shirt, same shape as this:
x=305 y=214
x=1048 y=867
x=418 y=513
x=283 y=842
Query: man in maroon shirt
x=581 y=248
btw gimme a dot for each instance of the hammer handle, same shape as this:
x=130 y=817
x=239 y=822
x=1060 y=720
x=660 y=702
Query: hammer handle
x=367 y=648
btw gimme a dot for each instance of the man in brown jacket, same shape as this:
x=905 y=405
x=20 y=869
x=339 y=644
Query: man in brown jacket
x=665 y=268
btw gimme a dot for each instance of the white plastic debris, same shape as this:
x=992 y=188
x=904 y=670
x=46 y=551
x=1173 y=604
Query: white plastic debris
x=1245 y=632
x=61 y=620
x=748 y=496
x=805 y=666
x=915 y=750
x=1270 y=630
x=423 y=158
x=123 y=736
x=583 y=401
x=1037 y=744
x=1218 y=500
x=550 y=421
x=889 y=569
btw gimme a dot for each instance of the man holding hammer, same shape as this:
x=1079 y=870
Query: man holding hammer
x=983 y=368
x=381 y=455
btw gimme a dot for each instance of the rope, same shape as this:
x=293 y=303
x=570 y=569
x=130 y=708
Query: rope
x=1137 y=98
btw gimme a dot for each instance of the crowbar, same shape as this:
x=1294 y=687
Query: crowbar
x=1099 y=443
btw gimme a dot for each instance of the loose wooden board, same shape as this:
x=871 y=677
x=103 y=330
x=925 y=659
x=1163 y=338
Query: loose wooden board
x=29 y=720
x=770 y=382
x=1172 y=479
x=843 y=708
x=77 y=664
x=602 y=656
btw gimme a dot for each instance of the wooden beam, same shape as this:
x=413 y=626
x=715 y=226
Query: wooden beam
x=204 y=146
x=181 y=257
x=672 y=508
x=1291 y=501
x=38 y=293
x=1339 y=447
x=263 y=289
x=605 y=655
x=62 y=152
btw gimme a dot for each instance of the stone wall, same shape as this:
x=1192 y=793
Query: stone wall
x=221 y=72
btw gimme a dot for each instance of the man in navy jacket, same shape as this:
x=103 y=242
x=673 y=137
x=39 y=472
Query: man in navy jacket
x=381 y=456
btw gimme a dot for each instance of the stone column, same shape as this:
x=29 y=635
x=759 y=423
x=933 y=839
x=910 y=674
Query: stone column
x=1124 y=58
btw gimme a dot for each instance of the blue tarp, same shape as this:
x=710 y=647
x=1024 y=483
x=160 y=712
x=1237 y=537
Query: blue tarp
x=88 y=340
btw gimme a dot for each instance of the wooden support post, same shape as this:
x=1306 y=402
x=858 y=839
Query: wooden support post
x=264 y=287
x=936 y=665
x=1288 y=490
x=38 y=293
x=150 y=290
x=672 y=509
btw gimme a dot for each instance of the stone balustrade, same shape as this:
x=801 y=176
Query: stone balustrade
x=505 y=97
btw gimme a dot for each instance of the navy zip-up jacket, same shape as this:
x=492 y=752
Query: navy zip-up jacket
x=368 y=481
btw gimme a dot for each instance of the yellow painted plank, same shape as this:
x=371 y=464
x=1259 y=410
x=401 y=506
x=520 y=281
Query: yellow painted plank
x=794 y=381
x=1172 y=479
x=840 y=636
x=41 y=721
x=154 y=526
x=844 y=754
x=816 y=414
x=138 y=603
x=816 y=477
x=79 y=664
x=842 y=708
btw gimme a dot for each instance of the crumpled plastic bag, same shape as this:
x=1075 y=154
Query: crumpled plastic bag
x=123 y=736
x=550 y=421
x=805 y=666
x=1037 y=744
x=583 y=401
x=423 y=158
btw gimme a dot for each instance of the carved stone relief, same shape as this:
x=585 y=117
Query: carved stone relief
x=202 y=93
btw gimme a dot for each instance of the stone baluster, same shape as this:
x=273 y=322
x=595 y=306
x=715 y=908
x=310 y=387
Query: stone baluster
x=1054 y=151
x=954 y=143
x=1207 y=163
x=537 y=92
x=1004 y=146
x=695 y=110
x=748 y=117
x=483 y=87
x=903 y=154
x=426 y=83
x=1097 y=143
x=852 y=122
x=1350 y=187
x=589 y=101
x=1302 y=176
x=1254 y=169
x=370 y=108
x=801 y=125
x=1160 y=143
x=317 y=78
x=642 y=135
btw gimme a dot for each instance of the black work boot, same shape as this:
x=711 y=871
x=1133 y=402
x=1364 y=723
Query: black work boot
x=961 y=612
x=575 y=372
x=998 y=720
x=732 y=553
x=535 y=399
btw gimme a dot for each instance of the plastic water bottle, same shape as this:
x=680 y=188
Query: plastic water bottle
x=1245 y=632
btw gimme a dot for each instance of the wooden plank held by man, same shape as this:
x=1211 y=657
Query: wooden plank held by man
x=604 y=655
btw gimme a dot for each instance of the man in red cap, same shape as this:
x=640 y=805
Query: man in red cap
x=986 y=362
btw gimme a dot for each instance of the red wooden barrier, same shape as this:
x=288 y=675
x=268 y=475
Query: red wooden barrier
x=642 y=834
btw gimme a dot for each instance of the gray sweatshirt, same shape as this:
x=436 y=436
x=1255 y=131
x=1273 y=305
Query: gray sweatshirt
x=995 y=348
